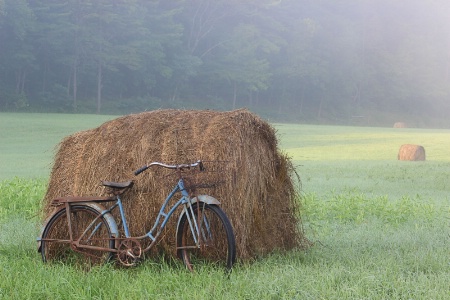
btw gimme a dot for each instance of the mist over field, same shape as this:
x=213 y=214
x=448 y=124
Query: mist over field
x=325 y=62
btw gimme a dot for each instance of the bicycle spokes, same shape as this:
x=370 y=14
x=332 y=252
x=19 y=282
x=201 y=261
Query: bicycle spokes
x=90 y=242
x=211 y=242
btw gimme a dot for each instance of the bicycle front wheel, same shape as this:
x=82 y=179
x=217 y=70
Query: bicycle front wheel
x=56 y=244
x=213 y=243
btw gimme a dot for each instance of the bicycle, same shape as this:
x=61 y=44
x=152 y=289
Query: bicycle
x=83 y=229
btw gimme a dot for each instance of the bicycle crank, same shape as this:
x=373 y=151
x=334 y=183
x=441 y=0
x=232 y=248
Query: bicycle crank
x=130 y=252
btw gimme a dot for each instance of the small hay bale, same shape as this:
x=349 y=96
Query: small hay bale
x=411 y=152
x=400 y=125
x=258 y=192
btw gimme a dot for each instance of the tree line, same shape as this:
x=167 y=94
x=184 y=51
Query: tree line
x=294 y=60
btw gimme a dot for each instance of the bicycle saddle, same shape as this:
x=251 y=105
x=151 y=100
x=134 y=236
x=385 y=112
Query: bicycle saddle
x=118 y=185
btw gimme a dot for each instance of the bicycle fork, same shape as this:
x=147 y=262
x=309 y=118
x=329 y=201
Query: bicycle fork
x=198 y=222
x=195 y=222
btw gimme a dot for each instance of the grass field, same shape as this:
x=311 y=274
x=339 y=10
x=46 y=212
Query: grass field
x=28 y=140
x=380 y=226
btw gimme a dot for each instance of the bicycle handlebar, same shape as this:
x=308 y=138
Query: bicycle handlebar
x=176 y=167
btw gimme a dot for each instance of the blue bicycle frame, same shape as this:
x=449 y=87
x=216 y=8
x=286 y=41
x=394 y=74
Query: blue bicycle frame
x=158 y=226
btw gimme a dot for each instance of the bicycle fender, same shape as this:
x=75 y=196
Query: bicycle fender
x=206 y=199
x=201 y=198
x=98 y=207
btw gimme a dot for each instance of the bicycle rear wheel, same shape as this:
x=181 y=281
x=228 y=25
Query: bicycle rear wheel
x=216 y=245
x=55 y=242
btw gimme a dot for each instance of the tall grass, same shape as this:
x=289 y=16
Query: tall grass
x=363 y=249
x=21 y=197
x=380 y=229
x=354 y=207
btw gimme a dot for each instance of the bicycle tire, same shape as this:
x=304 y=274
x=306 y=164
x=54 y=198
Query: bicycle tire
x=61 y=250
x=217 y=246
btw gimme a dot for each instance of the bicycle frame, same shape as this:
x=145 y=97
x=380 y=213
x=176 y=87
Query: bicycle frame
x=158 y=225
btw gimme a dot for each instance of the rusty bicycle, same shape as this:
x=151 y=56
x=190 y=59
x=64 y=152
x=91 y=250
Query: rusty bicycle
x=83 y=229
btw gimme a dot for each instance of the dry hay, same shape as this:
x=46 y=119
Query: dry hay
x=400 y=125
x=258 y=192
x=411 y=152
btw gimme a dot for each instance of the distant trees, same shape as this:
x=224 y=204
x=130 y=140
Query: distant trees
x=17 y=58
x=294 y=59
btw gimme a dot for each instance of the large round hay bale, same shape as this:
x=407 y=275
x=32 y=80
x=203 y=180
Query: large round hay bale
x=411 y=152
x=257 y=192
x=400 y=125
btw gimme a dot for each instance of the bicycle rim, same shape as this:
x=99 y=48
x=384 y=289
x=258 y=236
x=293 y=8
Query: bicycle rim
x=216 y=244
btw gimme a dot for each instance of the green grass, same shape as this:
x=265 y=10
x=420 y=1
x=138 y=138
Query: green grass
x=380 y=226
x=21 y=197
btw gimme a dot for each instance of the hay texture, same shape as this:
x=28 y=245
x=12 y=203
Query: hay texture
x=257 y=190
x=411 y=152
